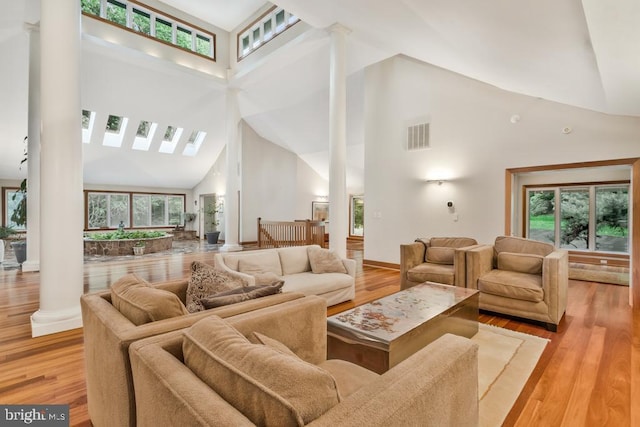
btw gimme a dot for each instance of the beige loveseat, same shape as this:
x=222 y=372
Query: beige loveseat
x=107 y=337
x=438 y=259
x=293 y=265
x=176 y=376
x=521 y=277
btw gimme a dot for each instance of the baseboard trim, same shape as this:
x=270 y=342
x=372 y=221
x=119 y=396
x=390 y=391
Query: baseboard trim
x=380 y=264
x=599 y=273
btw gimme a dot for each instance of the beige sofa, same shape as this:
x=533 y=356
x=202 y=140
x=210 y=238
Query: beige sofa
x=292 y=264
x=436 y=259
x=436 y=386
x=522 y=278
x=108 y=335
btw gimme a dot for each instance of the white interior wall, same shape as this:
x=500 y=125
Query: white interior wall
x=214 y=182
x=567 y=176
x=473 y=141
x=276 y=185
x=14 y=74
x=268 y=183
x=310 y=187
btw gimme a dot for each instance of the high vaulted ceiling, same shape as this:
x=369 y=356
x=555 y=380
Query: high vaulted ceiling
x=584 y=53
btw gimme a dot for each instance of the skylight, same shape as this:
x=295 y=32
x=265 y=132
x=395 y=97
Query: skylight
x=116 y=127
x=114 y=131
x=88 y=120
x=194 y=143
x=170 y=140
x=144 y=135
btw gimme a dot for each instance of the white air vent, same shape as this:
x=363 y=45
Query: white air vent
x=418 y=137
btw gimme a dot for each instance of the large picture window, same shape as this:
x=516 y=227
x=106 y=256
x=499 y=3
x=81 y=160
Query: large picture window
x=157 y=210
x=589 y=218
x=12 y=199
x=107 y=210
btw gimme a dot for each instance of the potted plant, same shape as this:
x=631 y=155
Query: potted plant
x=211 y=211
x=138 y=248
x=188 y=218
x=4 y=233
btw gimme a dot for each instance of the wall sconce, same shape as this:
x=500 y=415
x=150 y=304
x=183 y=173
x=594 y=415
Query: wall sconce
x=321 y=197
x=437 y=181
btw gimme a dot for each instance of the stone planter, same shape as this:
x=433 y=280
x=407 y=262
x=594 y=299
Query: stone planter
x=126 y=246
x=138 y=250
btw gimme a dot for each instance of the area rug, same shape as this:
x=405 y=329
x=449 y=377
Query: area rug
x=505 y=362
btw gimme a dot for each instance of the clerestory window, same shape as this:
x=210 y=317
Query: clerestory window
x=150 y=22
x=275 y=21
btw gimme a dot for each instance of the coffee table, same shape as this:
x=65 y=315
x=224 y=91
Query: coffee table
x=382 y=333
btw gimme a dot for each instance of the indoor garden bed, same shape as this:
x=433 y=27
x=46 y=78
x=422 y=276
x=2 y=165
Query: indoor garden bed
x=123 y=242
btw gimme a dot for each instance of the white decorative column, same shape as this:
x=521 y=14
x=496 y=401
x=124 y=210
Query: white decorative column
x=231 y=202
x=61 y=251
x=33 y=149
x=339 y=213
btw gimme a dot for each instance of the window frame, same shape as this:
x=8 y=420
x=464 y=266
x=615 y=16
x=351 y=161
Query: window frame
x=352 y=200
x=6 y=214
x=131 y=196
x=258 y=25
x=154 y=15
x=110 y=223
x=592 y=188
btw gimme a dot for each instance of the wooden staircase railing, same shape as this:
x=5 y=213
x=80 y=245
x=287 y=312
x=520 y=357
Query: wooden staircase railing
x=279 y=234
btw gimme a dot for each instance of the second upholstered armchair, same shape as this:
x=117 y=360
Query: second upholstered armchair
x=435 y=259
x=520 y=277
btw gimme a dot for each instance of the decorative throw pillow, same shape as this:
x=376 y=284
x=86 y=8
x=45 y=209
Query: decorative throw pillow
x=206 y=280
x=521 y=263
x=141 y=303
x=325 y=261
x=262 y=276
x=267 y=259
x=266 y=385
x=440 y=255
x=240 y=294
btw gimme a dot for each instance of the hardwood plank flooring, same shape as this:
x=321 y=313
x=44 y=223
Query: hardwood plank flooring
x=584 y=377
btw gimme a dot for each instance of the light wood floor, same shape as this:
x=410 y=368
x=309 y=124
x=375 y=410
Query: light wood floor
x=583 y=378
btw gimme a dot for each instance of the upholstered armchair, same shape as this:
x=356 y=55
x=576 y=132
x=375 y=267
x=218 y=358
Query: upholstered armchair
x=522 y=278
x=270 y=368
x=438 y=259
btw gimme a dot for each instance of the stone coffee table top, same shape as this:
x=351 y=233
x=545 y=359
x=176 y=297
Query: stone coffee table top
x=392 y=316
